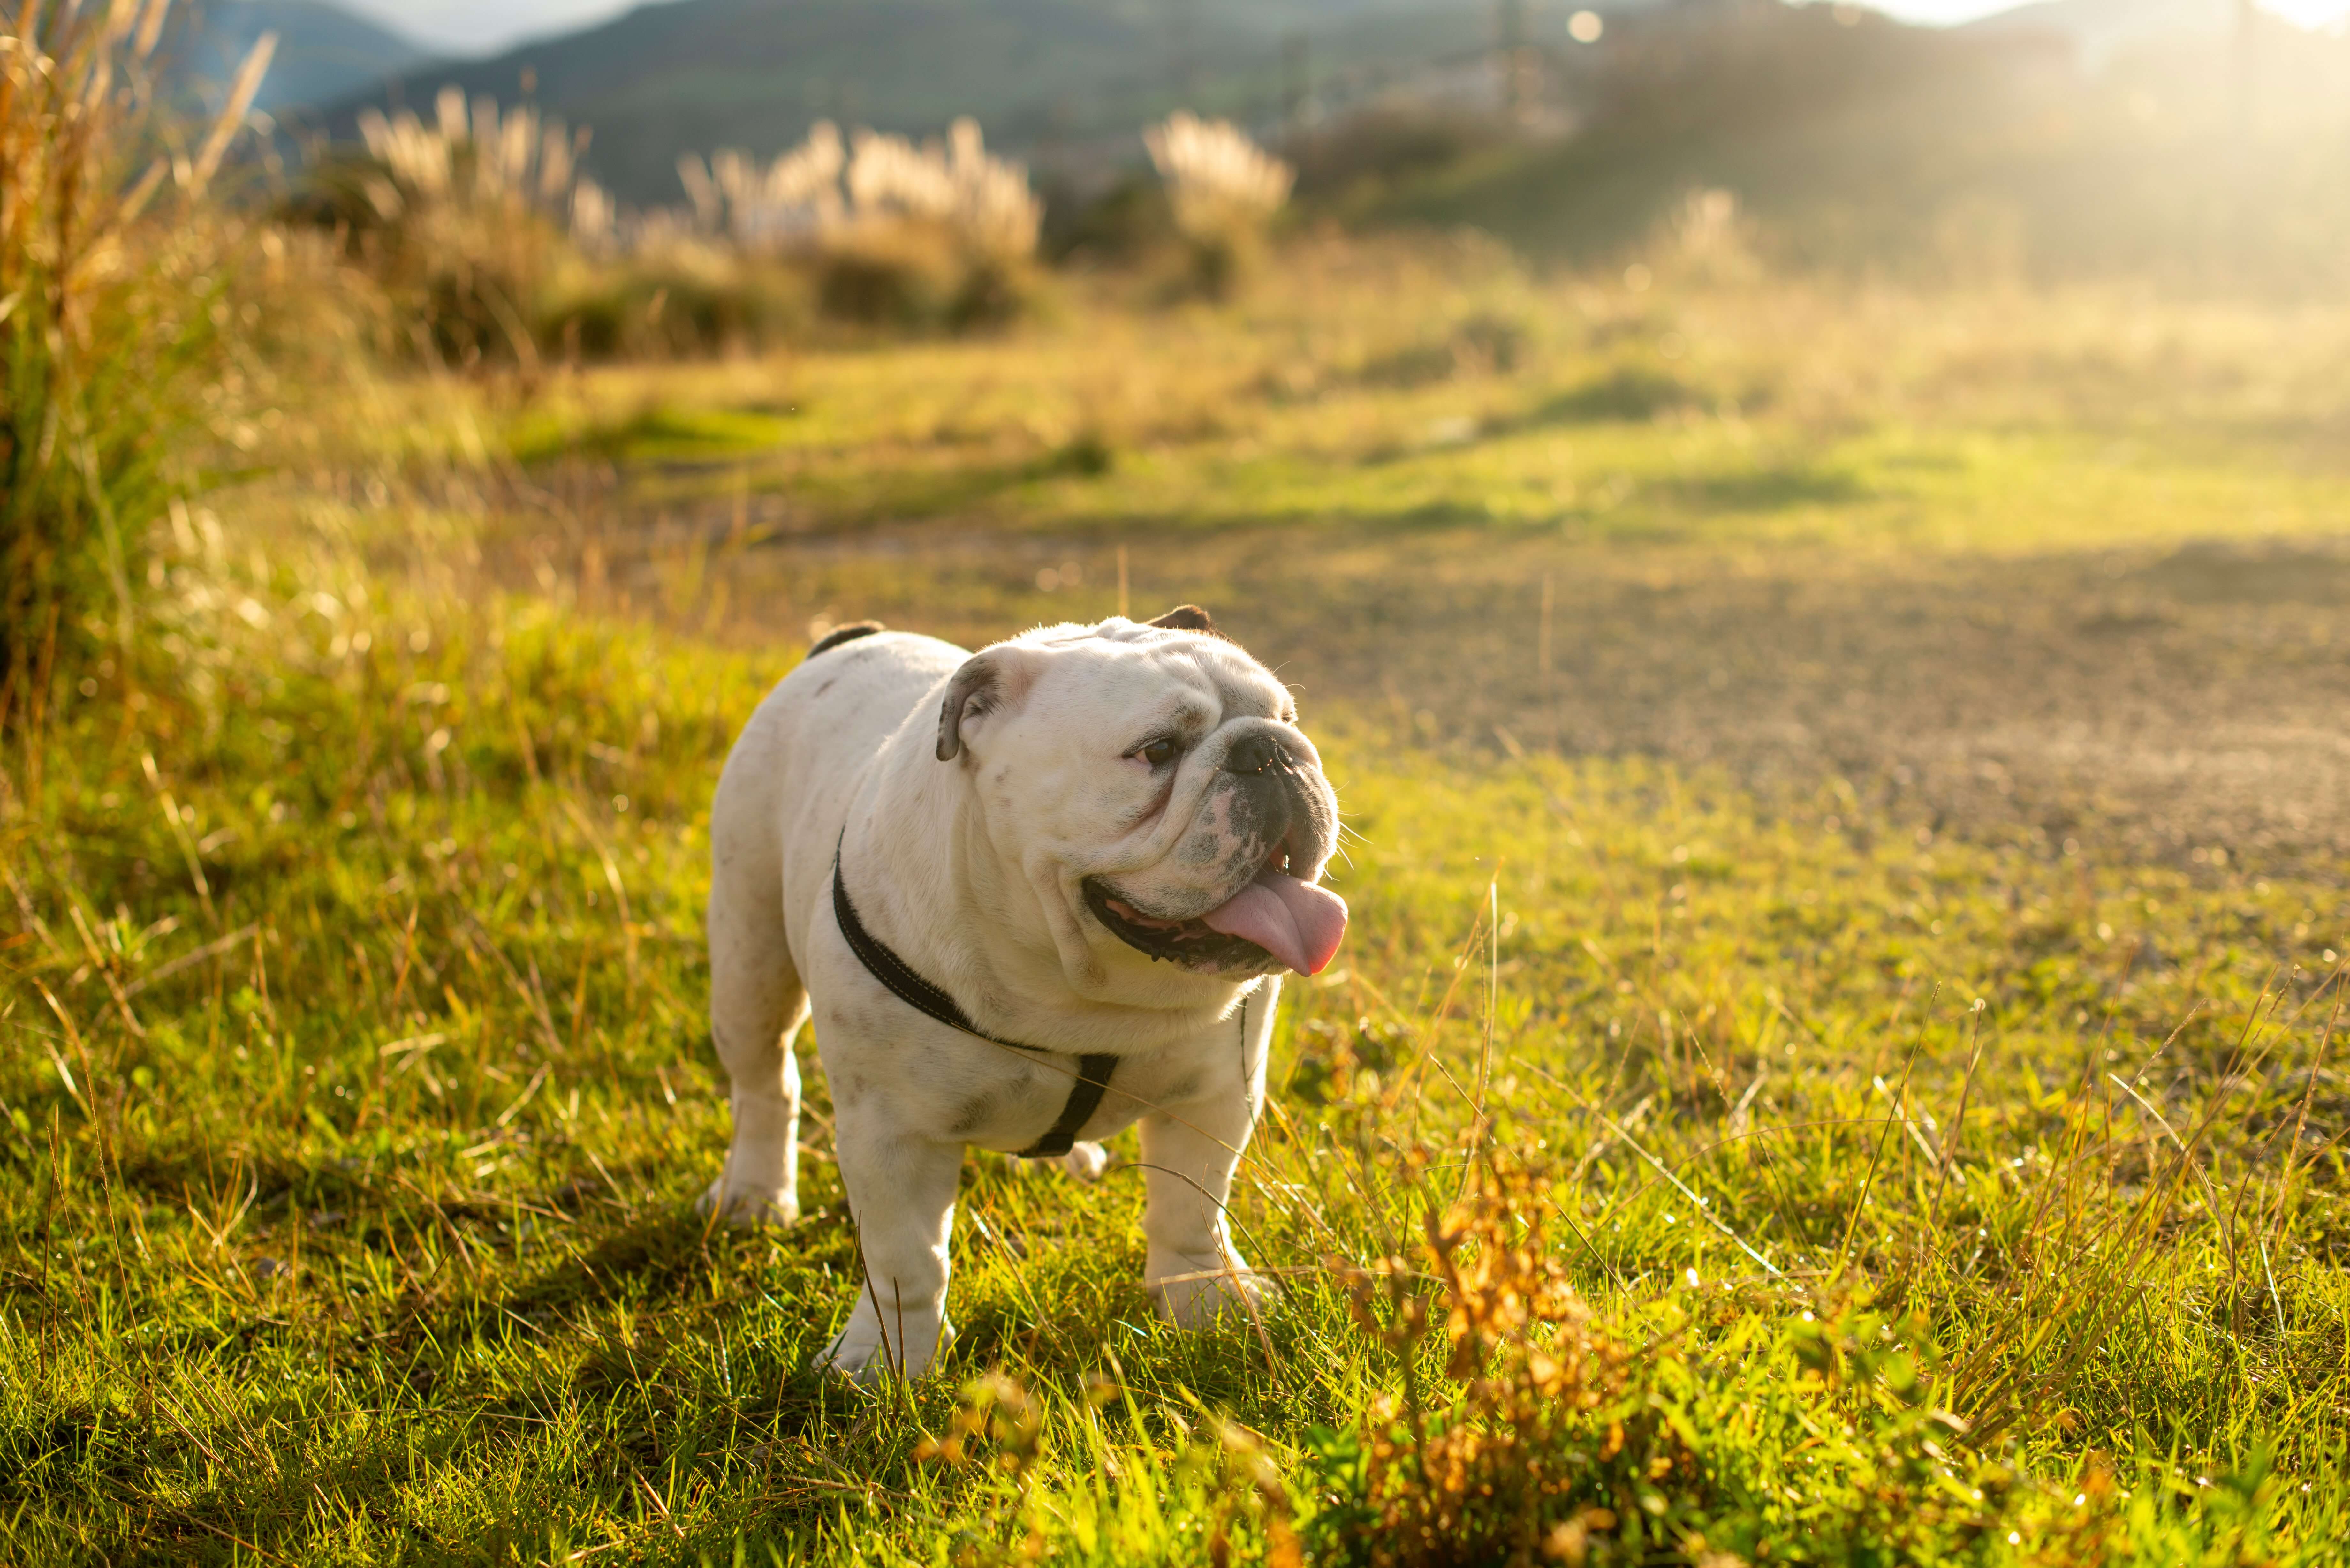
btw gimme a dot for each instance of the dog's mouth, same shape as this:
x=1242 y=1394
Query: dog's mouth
x=1277 y=921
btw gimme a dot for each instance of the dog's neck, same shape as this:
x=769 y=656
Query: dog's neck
x=1021 y=966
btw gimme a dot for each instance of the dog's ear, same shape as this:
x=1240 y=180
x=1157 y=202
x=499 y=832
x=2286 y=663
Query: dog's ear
x=987 y=682
x=849 y=633
x=1188 y=618
x=969 y=694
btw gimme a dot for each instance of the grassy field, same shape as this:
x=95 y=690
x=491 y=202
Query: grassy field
x=1848 y=795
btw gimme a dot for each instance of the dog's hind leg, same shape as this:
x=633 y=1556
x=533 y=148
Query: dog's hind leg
x=1085 y=1161
x=756 y=1006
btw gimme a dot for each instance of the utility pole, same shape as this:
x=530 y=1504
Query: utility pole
x=1514 y=61
x=2247 y=30
x=2248 y=64
x=1184 y=51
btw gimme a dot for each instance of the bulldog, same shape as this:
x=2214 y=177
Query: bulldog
x=1028 y=896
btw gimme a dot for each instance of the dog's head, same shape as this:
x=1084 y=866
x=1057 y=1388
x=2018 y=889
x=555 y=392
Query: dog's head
x=1151 y=782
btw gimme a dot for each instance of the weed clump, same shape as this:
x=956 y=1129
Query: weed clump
x=894 y=232
x=1223 y=189
x=1337 y=1065
x=1540 y=1427
x=461 y=222
x=108 y=277
x=1735 y=1426
x=677 y=302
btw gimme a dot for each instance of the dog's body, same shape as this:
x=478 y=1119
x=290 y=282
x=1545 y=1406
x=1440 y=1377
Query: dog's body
x=1027 y=830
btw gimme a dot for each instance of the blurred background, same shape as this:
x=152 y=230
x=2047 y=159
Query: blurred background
x=2185 y=140
x=1816 y=543
x=1944 y=403
x=1791 y=388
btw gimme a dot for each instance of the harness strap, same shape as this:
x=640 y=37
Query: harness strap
x=902 y=981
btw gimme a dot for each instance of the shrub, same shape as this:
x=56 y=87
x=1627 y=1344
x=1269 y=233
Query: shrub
x=895 y=233
x=887 y=276
x=1223 y=189
x=108 y=275
x=676 y=302
x=1360 y=157
x=464 y=223
x=1127 y=223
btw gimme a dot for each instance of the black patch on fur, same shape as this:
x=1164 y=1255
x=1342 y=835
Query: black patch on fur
x=849 y=633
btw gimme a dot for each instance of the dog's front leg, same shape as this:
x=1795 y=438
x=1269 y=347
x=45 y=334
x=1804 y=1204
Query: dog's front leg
x=901 y=1193
x=1189 y=1154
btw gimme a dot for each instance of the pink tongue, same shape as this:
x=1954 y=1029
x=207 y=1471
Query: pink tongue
x=1297 y=922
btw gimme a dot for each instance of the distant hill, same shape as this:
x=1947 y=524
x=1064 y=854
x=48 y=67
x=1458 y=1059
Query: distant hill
x=324 y=54
x=1858 y=145
x=697 y=75
x=2100 y=28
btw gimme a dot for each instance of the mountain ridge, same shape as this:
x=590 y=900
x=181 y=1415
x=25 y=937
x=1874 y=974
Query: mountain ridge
x=698 y=74
x=325 y=53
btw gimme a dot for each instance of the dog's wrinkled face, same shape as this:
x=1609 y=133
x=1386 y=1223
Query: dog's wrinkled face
x=1155 y=777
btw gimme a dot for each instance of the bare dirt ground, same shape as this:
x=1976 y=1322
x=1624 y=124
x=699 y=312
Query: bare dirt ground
x=2183 y=704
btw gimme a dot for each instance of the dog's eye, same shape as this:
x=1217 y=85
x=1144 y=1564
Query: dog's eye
x=1158 y=752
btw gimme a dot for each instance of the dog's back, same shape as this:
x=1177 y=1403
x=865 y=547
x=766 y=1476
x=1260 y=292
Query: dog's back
x=795 y=767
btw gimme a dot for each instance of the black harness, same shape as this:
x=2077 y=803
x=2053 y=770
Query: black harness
x=900 y=978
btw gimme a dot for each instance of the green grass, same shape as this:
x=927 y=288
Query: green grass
x=1768 y=414
x=367 y=1235
x=1926 y=1176
x=657 y=435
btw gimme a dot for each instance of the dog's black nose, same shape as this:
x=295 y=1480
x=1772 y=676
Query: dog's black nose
x=1254 y=753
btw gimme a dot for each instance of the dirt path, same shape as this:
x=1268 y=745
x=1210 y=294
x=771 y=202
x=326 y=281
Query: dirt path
x=2159 y=704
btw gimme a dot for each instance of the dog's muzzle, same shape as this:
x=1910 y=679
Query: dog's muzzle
x=1275 y=918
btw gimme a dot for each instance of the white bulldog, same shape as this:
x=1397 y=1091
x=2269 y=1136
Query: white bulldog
x=1030 y=897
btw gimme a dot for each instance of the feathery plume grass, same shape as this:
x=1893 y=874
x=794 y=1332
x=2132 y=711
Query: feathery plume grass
x=1218 y=180
x=1222 y=188
x=893 y=229
x=824 y=194
x=463 y=220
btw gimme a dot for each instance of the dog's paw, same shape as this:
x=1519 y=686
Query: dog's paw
x=1085 y=1161
x=1195 y=1297
x=858 y=1353
x=747 y=1206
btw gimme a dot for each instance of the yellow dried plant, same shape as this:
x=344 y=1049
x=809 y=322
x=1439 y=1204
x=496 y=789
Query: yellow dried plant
x=825 y=193
x=108 y=275
x=1220 y=184
x=1505 y=1465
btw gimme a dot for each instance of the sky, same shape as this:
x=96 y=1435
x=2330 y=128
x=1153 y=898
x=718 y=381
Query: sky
x=485 y=27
